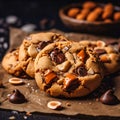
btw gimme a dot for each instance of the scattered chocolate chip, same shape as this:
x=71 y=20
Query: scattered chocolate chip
x=109 y=98
x=41 y=45
x=57 y=56
x=81 y=71
x=100 y=51
x=17 y=97
x=29 y=27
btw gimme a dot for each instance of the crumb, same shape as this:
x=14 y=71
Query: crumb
x=68 y=104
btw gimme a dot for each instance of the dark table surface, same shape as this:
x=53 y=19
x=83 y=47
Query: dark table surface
x=44 y=14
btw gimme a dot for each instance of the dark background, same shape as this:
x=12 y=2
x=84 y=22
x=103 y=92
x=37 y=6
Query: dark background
x=38 y=12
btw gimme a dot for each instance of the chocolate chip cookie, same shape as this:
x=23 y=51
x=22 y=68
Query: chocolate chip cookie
x=67 y=69
x=32 y=45
x=12 y=65
x=109 y=54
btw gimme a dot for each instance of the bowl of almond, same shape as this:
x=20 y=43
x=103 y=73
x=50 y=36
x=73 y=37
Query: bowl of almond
x=91 y=17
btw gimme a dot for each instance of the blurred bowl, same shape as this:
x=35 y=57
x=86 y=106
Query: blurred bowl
x=97 y=27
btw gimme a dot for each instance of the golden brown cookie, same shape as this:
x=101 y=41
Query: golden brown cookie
x=67 y=69
x=32 y=45
x=11 y=63
x=109 y=54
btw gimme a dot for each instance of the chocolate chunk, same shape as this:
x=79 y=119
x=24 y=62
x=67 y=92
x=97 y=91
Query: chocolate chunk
x=57 y=56
x=109 y=98
x=81 y=71
x=100 y=51
x=17 y=97
x=41 y=45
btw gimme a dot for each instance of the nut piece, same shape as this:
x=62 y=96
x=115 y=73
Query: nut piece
x=91 y=71
x=15 y=81
x=73 y=12
x=64 y=66
x=108 y=11
x=55 y=105
x=84 y=13
x=32 y=51
x=89 y=5
x=95 y=14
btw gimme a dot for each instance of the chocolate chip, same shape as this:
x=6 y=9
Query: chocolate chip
x=81 y=71
x=41 y=45
x=57 y=56
x=100 y=51
x=17 y=97
x=109 y=98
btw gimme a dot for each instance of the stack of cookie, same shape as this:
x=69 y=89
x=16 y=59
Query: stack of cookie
x=63 y=67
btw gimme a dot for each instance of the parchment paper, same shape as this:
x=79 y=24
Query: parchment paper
x=37 y=100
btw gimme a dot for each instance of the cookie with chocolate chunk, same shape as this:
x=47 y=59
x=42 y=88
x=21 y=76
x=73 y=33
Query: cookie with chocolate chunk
x=109 y=54
x=12 y=65
x=33 y=44
x=67 y=69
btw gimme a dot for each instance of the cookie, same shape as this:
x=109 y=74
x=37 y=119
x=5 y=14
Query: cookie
x=32 y=45
x=66 y=69
x=109 y=54
x=12 y=65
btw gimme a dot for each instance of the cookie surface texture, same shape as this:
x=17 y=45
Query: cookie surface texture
x=30 y=47
x=66 y=69
x=109 y=54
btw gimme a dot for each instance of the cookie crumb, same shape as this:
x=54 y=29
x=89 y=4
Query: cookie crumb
x=68 y=104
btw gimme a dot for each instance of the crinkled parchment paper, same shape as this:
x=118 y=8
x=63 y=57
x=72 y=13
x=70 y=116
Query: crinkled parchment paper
x=37 y=100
